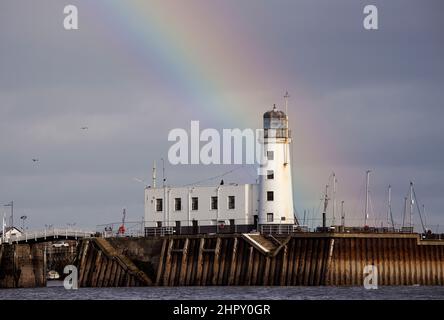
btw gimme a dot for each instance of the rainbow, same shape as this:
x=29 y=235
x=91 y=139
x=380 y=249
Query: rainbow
x=203 y=56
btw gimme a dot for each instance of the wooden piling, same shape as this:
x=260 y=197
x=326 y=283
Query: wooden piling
x=301 y=265
x=102 y=271
x=291 y=248
x=284 y=265
x=256 y=265
x=223 y=259
x=233 y=262
x=160 y=265
x=200 y=262
x=166 y=275
x=249 y=265
x=183 y=267
x=96 y=269
x=296 y=261
x=174 y=262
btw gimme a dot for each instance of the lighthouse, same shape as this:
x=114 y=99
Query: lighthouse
x=275 y=184
x=265 y=206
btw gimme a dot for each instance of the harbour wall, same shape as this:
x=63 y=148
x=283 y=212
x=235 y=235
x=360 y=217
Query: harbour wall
x=306 y=259
x=22 y=265
x=302 y=259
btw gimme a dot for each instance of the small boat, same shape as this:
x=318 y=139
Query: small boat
x=53 y=275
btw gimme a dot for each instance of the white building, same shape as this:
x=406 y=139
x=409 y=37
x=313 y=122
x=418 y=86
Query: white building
x=233 y=207
x=10 y=233
x=202 y=209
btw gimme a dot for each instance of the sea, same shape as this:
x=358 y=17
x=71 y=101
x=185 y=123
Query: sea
x=56 y=291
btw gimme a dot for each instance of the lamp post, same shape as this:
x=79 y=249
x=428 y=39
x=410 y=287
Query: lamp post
x=11 y=219
x=23 y=218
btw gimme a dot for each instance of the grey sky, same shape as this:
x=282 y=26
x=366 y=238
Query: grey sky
x=374 y=97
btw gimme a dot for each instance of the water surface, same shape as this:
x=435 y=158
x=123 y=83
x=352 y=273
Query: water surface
x=56 y=291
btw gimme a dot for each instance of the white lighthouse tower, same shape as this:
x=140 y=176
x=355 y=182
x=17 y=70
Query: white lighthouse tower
x=276 y=213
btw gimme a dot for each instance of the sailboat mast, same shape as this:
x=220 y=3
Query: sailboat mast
x=389 y=209
x=324 y=214
x=367 y=181
x=334 y=198
x=404 y=213
x=411 y=206
x=342 y=214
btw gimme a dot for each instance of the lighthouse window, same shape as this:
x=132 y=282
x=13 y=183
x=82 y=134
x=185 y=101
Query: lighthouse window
x=177 y=204
x=231 y=202
x=159 y=205
x=269 y=217
x=194 y=203
x=270 y=174
x=270 y=195
x=270 y=155
x=213 y=203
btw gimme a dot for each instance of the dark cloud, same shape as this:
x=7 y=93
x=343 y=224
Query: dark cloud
x=375 y=99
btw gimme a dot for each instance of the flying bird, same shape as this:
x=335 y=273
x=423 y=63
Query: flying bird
x=35 y=160
x=84 y=128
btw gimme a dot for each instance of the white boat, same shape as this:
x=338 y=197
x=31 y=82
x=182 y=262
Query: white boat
x=53 y=275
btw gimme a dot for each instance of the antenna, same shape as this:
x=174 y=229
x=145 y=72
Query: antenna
x=154 y=174
x=163 y=172
x=23 y=218
x=367 y=181
x=286 y=102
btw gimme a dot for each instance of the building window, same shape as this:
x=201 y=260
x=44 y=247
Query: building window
x=159 y=224
x=213 y=203
x=159 y=205
x=282 y=218
x=269 y=217
x=270 y=155
x=178 y=204
x=231 y=202
x=270 y=196
x=270 y=174
x=194 y=203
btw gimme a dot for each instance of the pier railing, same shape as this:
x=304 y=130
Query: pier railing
x=112 y=229
x=279 y=229
x=52 y=233
x=145 y=228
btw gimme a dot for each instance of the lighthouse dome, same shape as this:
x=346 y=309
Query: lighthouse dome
x=276 y=119
x=275 y=114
